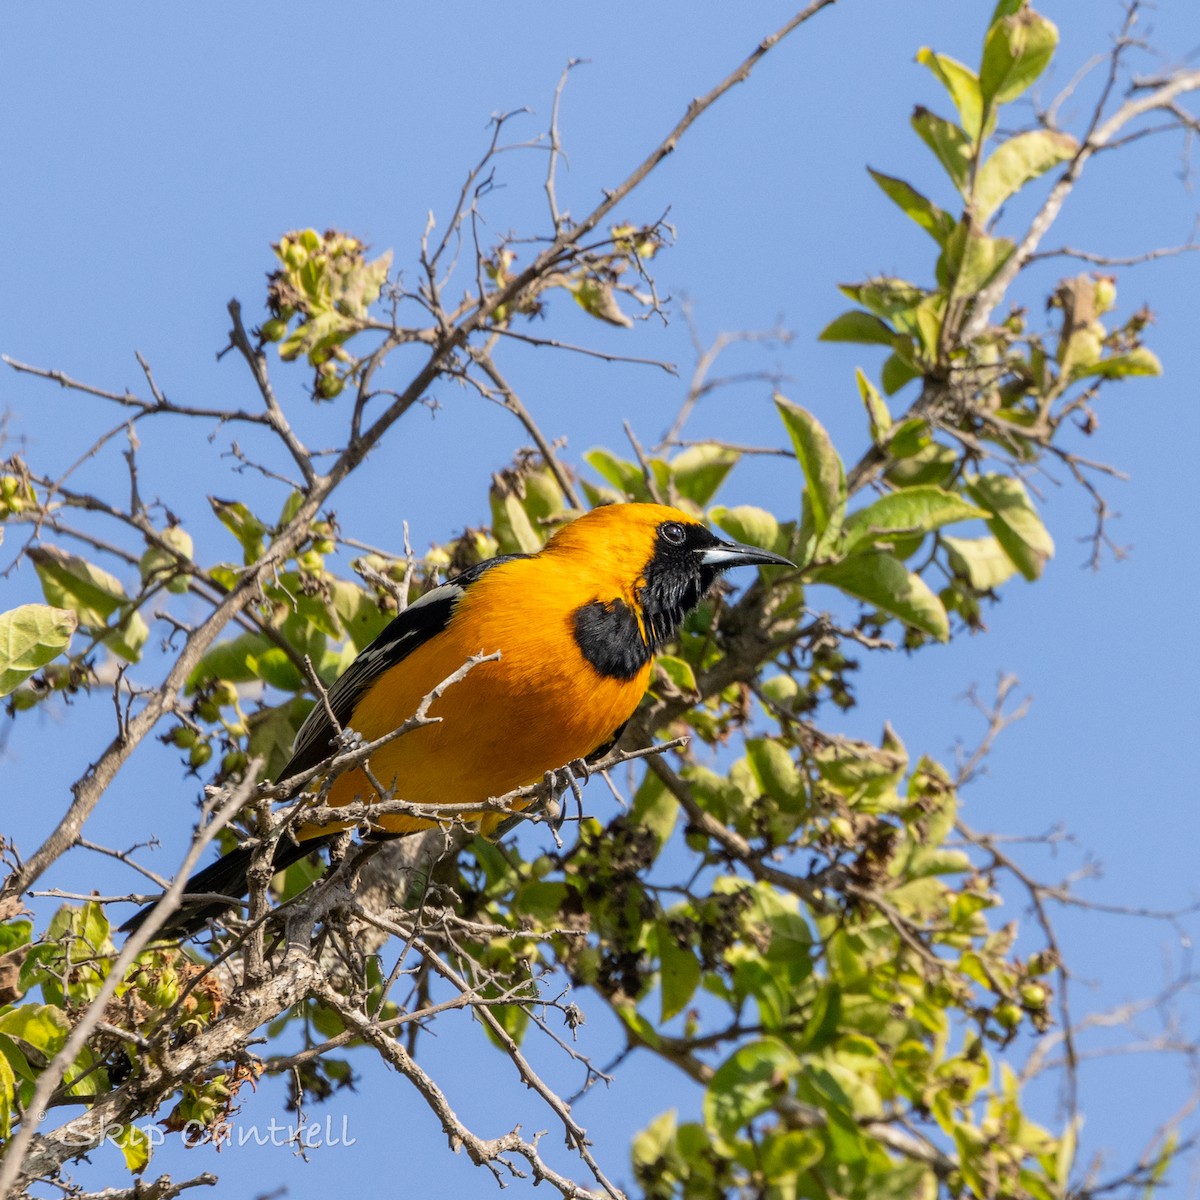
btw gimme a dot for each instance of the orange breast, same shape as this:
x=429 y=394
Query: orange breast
x=508 y=722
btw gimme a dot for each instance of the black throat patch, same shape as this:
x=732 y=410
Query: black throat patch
x=610 y=638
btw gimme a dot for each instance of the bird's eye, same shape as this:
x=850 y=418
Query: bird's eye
x=672 y=533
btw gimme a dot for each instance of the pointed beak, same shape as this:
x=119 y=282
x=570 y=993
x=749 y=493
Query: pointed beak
x=736 y=554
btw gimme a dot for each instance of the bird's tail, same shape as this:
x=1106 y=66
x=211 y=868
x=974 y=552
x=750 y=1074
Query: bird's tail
x=228 y=876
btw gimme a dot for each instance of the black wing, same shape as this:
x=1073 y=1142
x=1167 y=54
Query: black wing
x=420 y=621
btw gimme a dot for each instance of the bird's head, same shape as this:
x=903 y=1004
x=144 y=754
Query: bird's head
x=662 y=558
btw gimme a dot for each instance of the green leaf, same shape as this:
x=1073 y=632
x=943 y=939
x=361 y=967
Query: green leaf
x=272 y=733
x=316 y=337
x=273 y=666
x=243 y=524
x=791 y=943
x=87 y=1076
x=862 y=771
x=30 y=637
x=938 y=224
x=909 y=438
x=15 y=1056
x=776 y=773
x=654 y=808
x=641 y=1028
x=699 y=471
x=655 y=1142
x=818 y=1085
x=981 y=561
x=543 y=495
x=970 y=1160
x=896 y=372
x=948 y=142
x=1065 y=1157
x=72 y=582
x=926 y=325
x=1017 y=49
x=877 y=410
x=128 y=638
x=291 y=506
x=94 y=927
x=8 y=1088
x=235 y=660
x=679 y=672
x=824 y=475
x=360 y=615
x=858 y=326
x=511 y=524
x=934 y=464
x=746 y=1085
x=626 y=476
x=1119 y=366
x=745 y=523
x=596 y=496
x=971 y=259
x=1162 y=1160
x=789 y=1153
x=849 y=1066
x=1014 y=163
x=598 y=299
x=679 y=973
x=823 y=1019
x=790 y=939
x=881 y=579
x=1014 y=520
x=542 y=900
x=14 y=934
x=40 y=1026
x=513 y=1019
x=94 y=595
x=888 y=298
x=161 y=559
x=910 y=510
x=315 y=610
x=963 y=85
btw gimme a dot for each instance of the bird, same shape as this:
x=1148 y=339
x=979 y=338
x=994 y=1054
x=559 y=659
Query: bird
x=576 y=625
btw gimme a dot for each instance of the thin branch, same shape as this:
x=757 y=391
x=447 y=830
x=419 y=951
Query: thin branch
x=257 y=362
x=702 y=385
x=1108 y=260
x=512 y=402
x=556 y=151
x=588 y=351
x=129 y=400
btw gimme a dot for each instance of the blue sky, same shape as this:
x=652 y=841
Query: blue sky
x=156 y=150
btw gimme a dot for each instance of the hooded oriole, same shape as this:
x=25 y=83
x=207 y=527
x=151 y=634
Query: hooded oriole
x=576 y=624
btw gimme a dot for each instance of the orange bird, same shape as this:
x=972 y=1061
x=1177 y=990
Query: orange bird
x=576 y=624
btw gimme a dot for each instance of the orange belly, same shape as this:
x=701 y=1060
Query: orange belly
x=502 y=726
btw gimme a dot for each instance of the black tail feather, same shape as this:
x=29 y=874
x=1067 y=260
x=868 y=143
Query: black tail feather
x=228 y=876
